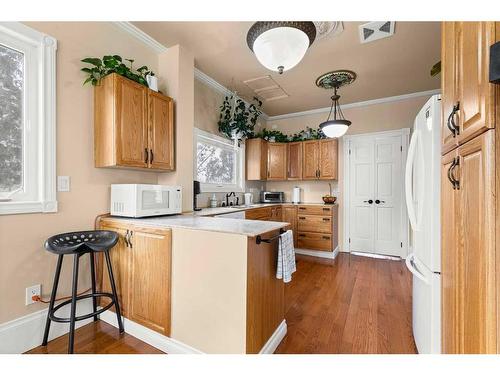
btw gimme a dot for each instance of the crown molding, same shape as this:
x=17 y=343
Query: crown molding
x=365 y=103
x=141 y=36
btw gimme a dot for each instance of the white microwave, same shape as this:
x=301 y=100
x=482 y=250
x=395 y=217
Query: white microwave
x=141 y=200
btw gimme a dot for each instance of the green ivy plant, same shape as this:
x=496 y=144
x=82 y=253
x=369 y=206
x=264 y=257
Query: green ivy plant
x=238 y=120
x=277 y=136
x=100 y=68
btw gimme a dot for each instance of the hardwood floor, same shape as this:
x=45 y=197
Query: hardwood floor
x=97 y=338
x=356 y=305
x=350 y=305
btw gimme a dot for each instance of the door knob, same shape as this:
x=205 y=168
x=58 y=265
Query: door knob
x=377 y=201
x=369 y=201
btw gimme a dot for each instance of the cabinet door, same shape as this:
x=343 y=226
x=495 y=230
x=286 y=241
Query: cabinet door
x=161 y=131
x=310 y=162
x=449 y=96
x=476 y=245
x=131 y=123
x=328 y=151
x=256 y=159
x=290 y=216
x=475 y=92
x=449 y=258
x=295 y=161
x=150 y=279
x=120 y=262
x=276 y=161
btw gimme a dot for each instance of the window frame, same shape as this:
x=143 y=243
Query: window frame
x=39 y=132
x=239 y=187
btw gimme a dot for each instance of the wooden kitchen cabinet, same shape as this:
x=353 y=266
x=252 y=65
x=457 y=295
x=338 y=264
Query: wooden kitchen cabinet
x=294 y=159
x=317 y=227
x=256 y=159
x=468 y=99
x=320 y=159
x=133 y=126
x=290 y=216
x=276 y=161
x=142 y=269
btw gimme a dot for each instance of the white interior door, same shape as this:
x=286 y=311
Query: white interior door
x=375 y=195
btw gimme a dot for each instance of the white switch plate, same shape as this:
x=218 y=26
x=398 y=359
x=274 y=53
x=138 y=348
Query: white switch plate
x=63 y=183
x=35 y=290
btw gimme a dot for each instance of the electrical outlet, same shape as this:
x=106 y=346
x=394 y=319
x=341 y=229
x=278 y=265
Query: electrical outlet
x=63 y=183
x=35 y=290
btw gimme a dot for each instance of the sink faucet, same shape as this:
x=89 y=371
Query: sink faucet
x=229 y=195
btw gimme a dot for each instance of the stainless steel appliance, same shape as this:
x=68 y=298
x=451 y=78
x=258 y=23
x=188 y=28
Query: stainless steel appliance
x=272 y=197
x=141 y=200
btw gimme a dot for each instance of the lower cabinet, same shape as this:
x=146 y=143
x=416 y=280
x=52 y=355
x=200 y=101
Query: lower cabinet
x=469 y=301
x=142 y=269
x=290 y=216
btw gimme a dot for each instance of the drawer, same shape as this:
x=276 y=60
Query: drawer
x=314 y=241
x=315 y=210
x=263 y=213
x=318 y=224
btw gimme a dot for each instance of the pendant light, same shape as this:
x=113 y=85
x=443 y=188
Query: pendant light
x=280 y=45
x=338 y=125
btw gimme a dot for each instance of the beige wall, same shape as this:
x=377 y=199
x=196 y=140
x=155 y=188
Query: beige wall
x=23 y=261
x=367 y=119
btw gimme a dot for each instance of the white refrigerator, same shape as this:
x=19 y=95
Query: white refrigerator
x=422 y=189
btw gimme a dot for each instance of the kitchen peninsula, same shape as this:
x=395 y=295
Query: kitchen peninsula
x=205 y=282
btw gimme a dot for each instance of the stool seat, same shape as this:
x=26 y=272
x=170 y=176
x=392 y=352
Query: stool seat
x=81 y=242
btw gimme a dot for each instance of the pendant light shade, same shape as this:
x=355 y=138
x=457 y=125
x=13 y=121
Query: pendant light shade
x=337 y=126
x=280 y=45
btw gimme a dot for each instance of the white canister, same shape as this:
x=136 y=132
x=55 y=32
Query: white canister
x=296 y=195
x=248 y=199
x=152 y=82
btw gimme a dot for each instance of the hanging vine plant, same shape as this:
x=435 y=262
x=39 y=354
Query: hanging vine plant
x=237 y=120
x=277 y=136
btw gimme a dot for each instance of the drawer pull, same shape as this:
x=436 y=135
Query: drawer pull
x=326 y=209
x=302 y=208
x=326 y=237
x=302 y=218
x=326 y=219
x=302 y=235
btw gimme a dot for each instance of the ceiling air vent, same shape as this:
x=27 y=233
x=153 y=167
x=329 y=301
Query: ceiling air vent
x=372 y=31
x=266 y=88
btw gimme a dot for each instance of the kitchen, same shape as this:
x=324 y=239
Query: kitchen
x=211 y=171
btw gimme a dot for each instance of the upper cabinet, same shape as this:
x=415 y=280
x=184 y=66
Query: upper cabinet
x=133 y=126
x=307 y=160
x=276 y=161
x=468 y=109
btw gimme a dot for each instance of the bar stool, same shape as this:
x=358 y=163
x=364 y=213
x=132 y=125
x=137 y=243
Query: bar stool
x=78 y=244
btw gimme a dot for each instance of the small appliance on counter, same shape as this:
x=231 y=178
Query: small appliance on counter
x=196 y=191
x=248 y=199
x=296 y=195
x=272 y=197
x=141 y=200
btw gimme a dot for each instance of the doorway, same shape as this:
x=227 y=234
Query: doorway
x=374 y=212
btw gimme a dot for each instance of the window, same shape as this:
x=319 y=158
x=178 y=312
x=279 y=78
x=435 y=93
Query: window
x=218 y=163
x=27 y=120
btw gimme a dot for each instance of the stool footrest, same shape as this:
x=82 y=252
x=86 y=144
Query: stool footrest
x=81 y=317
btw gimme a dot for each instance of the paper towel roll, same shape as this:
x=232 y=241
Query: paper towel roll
x=296 y=195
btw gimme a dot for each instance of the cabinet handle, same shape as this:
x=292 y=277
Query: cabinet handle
x=151 y=156
x=302 y=218
x=125 y=238
x=326 y=237
x=319 y=173
x=302 y=208
x=302 y=235
x=454 y=129
x=130 y=239
x=146 y=155
x=326 y=209
x=451 y=175
x=326 y=219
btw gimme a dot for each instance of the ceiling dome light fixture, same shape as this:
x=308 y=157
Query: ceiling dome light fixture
x=338 y=126
x=280 y=45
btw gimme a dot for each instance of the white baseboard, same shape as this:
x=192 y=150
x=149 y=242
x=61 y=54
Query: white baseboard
x=376 y=256
x=153 y=338
x=275 y=339
x=25 y=333
x=320 y=254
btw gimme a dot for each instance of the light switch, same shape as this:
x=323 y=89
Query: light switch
x=62 y=183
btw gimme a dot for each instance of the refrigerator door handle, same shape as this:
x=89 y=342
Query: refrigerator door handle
x=412 y=267
x=410 y=160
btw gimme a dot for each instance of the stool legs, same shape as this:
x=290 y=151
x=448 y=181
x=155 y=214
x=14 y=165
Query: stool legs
x=92 y=272
x=73 y=304
x=52 y=299
x=113 y=288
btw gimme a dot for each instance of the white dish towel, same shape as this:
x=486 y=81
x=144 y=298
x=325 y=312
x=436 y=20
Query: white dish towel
x=286 y=257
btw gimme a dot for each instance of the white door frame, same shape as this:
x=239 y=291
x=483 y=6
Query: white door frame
x=405 y=225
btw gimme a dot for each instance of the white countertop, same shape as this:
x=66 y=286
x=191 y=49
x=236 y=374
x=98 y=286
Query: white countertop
x=250 y=228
